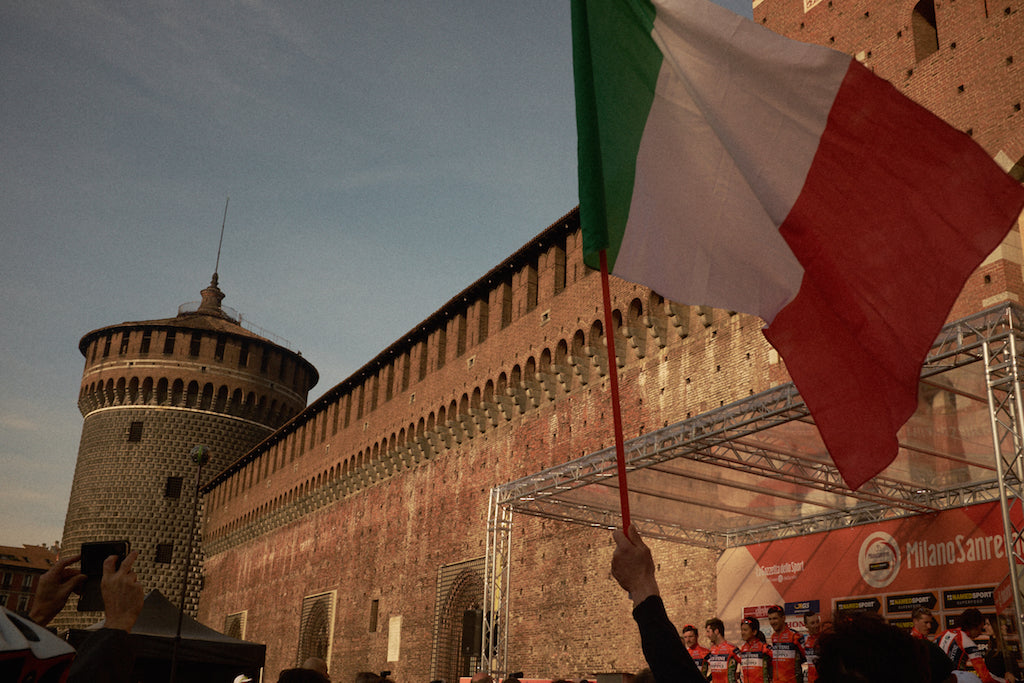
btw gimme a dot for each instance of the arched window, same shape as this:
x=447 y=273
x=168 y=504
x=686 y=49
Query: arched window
x=192 y=397
x=456 y=648
x=207 y=400
x=177 y=391
x=315 y=627
x=926 y=33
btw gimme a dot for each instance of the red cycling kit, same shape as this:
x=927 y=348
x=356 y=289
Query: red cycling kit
x=811 y=650
x=964 y=652
x=788 y=656
x=699 y=655
x=723 y=663
x=756 y=662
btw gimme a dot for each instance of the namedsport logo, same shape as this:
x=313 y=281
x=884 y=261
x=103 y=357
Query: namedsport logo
x=879 y=559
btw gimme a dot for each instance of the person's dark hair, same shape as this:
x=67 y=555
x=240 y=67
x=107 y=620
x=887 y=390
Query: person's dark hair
x=775 y=609
x=863 y=648
x=299 y=676
x=970 y=619
x=690 y=627
x=644 y=676
x=920 y=611
x=716 y=624
x=367 y=677
x=753 y=623
x=808 y=614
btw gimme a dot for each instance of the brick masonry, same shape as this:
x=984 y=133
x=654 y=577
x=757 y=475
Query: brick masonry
x=375 y=509
x=382 y=483
x=389 y=481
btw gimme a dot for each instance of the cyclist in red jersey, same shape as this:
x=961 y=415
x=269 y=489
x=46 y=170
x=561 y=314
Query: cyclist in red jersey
x=812 y=622
x=698 y=653
x=755 y=655
x=959 y=644
x=922 y=618
x=788 y=654
x=724 y=659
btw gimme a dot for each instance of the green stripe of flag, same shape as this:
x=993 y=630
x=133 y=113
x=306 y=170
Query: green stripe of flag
x=616 y=65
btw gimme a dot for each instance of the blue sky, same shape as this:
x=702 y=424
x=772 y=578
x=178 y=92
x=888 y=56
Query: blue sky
x=379 y=157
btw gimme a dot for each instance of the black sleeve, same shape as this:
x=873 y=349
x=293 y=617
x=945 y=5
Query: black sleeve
x=663 y=648
x=940 y=666
x=107 y=656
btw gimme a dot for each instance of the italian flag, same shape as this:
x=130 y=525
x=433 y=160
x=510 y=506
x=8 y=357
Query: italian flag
x=722 y=164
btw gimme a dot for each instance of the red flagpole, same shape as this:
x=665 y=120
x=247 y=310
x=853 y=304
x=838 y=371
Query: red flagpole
x=613 y=376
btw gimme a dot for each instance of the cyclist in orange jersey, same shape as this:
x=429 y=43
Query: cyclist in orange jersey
x=755 y=654
x=698 y=652
x=812 y=621
x=788 y=654
x=724 y=660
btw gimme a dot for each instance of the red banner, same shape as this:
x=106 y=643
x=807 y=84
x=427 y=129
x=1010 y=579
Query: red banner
x=947 y=561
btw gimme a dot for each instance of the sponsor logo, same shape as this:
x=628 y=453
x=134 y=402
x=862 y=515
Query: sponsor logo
x=960 y=550
x=778 y=573
x=879 y=559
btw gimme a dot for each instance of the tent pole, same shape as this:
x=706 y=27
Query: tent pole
x=199 y=455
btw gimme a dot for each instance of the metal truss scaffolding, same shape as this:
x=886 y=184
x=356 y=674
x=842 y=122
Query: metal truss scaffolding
x=1002 y=375
x=494 y=634
x=756 y=470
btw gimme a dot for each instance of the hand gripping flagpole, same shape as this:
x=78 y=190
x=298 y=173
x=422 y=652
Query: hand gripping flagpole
x=613 y=378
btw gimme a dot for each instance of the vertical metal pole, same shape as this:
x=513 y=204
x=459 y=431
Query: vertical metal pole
x=490 y=558
x=497 y=567
x=1002 y=380
x=199 y=455
x=506 y=589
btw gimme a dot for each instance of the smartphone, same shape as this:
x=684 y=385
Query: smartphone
x=93 y=556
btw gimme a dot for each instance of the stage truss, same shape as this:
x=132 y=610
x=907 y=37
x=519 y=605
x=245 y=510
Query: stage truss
x=756 y=470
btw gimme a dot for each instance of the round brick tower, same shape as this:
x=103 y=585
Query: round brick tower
x=152 y=391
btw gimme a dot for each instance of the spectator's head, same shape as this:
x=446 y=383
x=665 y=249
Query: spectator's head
x=863 y=648
x=299 y=676
x=971 y=622
x=777 y=618
x=690 y=636
x=922 y=618
x=367 y=677
x=318 y=665
x=481 y=677
x=812 y=622
x=644 y=676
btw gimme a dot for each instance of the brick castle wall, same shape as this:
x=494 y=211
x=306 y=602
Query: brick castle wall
x=381 y=485
x=376 y=509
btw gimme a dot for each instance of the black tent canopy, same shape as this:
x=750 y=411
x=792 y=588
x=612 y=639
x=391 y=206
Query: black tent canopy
x=204 y=654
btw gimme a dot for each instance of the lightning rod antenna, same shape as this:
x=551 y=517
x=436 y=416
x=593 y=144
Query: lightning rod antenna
x=216 y=266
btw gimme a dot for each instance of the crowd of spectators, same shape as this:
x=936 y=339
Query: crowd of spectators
x=852 y=648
